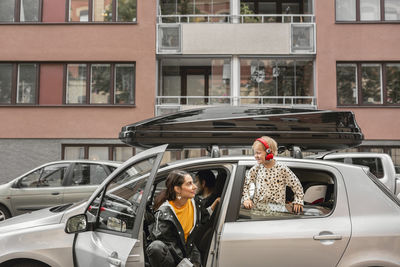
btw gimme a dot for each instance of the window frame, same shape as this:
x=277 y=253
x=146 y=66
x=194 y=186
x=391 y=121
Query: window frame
x=14 y=84
x=358 y=15
x=88 y=82
x=17 y=14
x=111 y=149
x=383 y=82
x=91 y=15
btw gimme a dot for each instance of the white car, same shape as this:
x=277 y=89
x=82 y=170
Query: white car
x=353 y=222
x=51 y=184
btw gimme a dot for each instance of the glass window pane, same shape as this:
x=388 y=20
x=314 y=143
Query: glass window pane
x=5 y=83
x=392 y=10
x=371 y=83
x=27 y=76
x=126 y=10
x=266 y=8
x=7 y=10
x=102 y=10
x=88 y=174
x=98 y=153
x=346 y=82
x=100 y=84
x=76 y=84
x=370 y=10
x=304 y=80
x=78 y=10
x=53 y=175
x=220 y=81
x=290 y=8
x=72 y=152
x=393 y=83
x=220 y=7
x=374 y=164
x=122 y=153
x=31 y=179
x=29 y=10
x=122 y=198
x=345 y=10
x=124 y=83
x=203 y=7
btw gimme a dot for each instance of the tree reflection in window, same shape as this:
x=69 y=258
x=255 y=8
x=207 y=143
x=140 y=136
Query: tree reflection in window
x=371 y=83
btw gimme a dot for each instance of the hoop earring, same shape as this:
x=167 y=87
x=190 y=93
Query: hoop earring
x=179 y=196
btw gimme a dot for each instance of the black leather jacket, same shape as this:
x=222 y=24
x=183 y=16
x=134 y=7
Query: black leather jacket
x=167 y=228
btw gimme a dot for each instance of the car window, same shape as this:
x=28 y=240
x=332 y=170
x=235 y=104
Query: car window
x=53 y=175
x=122 y=198
x=31 y=179
x=88 y=174
x=319 y=197
x=374 y=164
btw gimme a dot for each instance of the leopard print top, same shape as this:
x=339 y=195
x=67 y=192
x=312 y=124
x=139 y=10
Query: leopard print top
x=270 y=185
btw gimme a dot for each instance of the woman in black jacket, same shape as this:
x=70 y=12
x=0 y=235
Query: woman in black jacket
x=177 y=219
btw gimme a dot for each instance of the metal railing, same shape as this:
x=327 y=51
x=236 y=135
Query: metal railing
x=248 y=18
x=177 y=103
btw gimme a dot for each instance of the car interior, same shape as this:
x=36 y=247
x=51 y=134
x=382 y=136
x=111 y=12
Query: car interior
x=319 y=195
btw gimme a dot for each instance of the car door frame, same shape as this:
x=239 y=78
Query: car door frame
x=138 y=244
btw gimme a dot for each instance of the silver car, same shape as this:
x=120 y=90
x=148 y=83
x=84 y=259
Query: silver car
x=51 y=184
x=349 y=219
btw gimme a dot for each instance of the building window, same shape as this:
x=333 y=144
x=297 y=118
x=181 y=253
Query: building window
x=276 y=81
x=97 y=152
x=27 y=83
x=345 y=10
x=18 y=83
x=194 y=82
x=368 y=83
x=367 y=10
x=20 y=10
x=6 y=77
x=102 y=10
x=102 y=84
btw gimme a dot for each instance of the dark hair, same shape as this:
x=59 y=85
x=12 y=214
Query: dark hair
x=174 y=178
x=207 y=176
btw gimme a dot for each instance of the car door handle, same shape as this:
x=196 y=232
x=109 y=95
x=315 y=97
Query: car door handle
x=327 y=237
x=55 y=193
x=113 y=259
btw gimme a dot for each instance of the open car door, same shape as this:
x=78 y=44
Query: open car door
x=115 y=215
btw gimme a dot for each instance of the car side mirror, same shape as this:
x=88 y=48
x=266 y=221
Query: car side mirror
x=76 y=224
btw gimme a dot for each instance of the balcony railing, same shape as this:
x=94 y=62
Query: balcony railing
x=252 y=18
x=166 y=104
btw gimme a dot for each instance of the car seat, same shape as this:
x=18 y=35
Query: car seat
x=315 y=194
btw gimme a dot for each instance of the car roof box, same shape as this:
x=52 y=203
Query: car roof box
x=226 y=126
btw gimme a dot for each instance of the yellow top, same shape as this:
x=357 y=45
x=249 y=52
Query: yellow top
x=185 y=216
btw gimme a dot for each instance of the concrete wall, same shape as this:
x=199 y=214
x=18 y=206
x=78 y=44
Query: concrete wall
x=234 y=39
x=355 y=42
x=18 y=156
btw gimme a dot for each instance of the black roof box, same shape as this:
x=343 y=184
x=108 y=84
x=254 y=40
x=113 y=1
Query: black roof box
x=309 y=129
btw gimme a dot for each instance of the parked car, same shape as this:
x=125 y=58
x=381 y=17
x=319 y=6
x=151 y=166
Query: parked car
x=340 y=226
x=53 y=184
x=380 y=164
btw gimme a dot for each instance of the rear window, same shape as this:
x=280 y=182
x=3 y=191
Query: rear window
x=374 y=164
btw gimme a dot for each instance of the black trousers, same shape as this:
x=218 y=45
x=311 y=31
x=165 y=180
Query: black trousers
x=159 y=255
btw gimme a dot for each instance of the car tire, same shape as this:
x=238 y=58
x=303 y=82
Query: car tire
x=4 y=213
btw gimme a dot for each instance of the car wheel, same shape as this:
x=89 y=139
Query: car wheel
x=4 y=213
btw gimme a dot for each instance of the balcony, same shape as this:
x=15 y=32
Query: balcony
x=252 y=35
x=169 y=104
